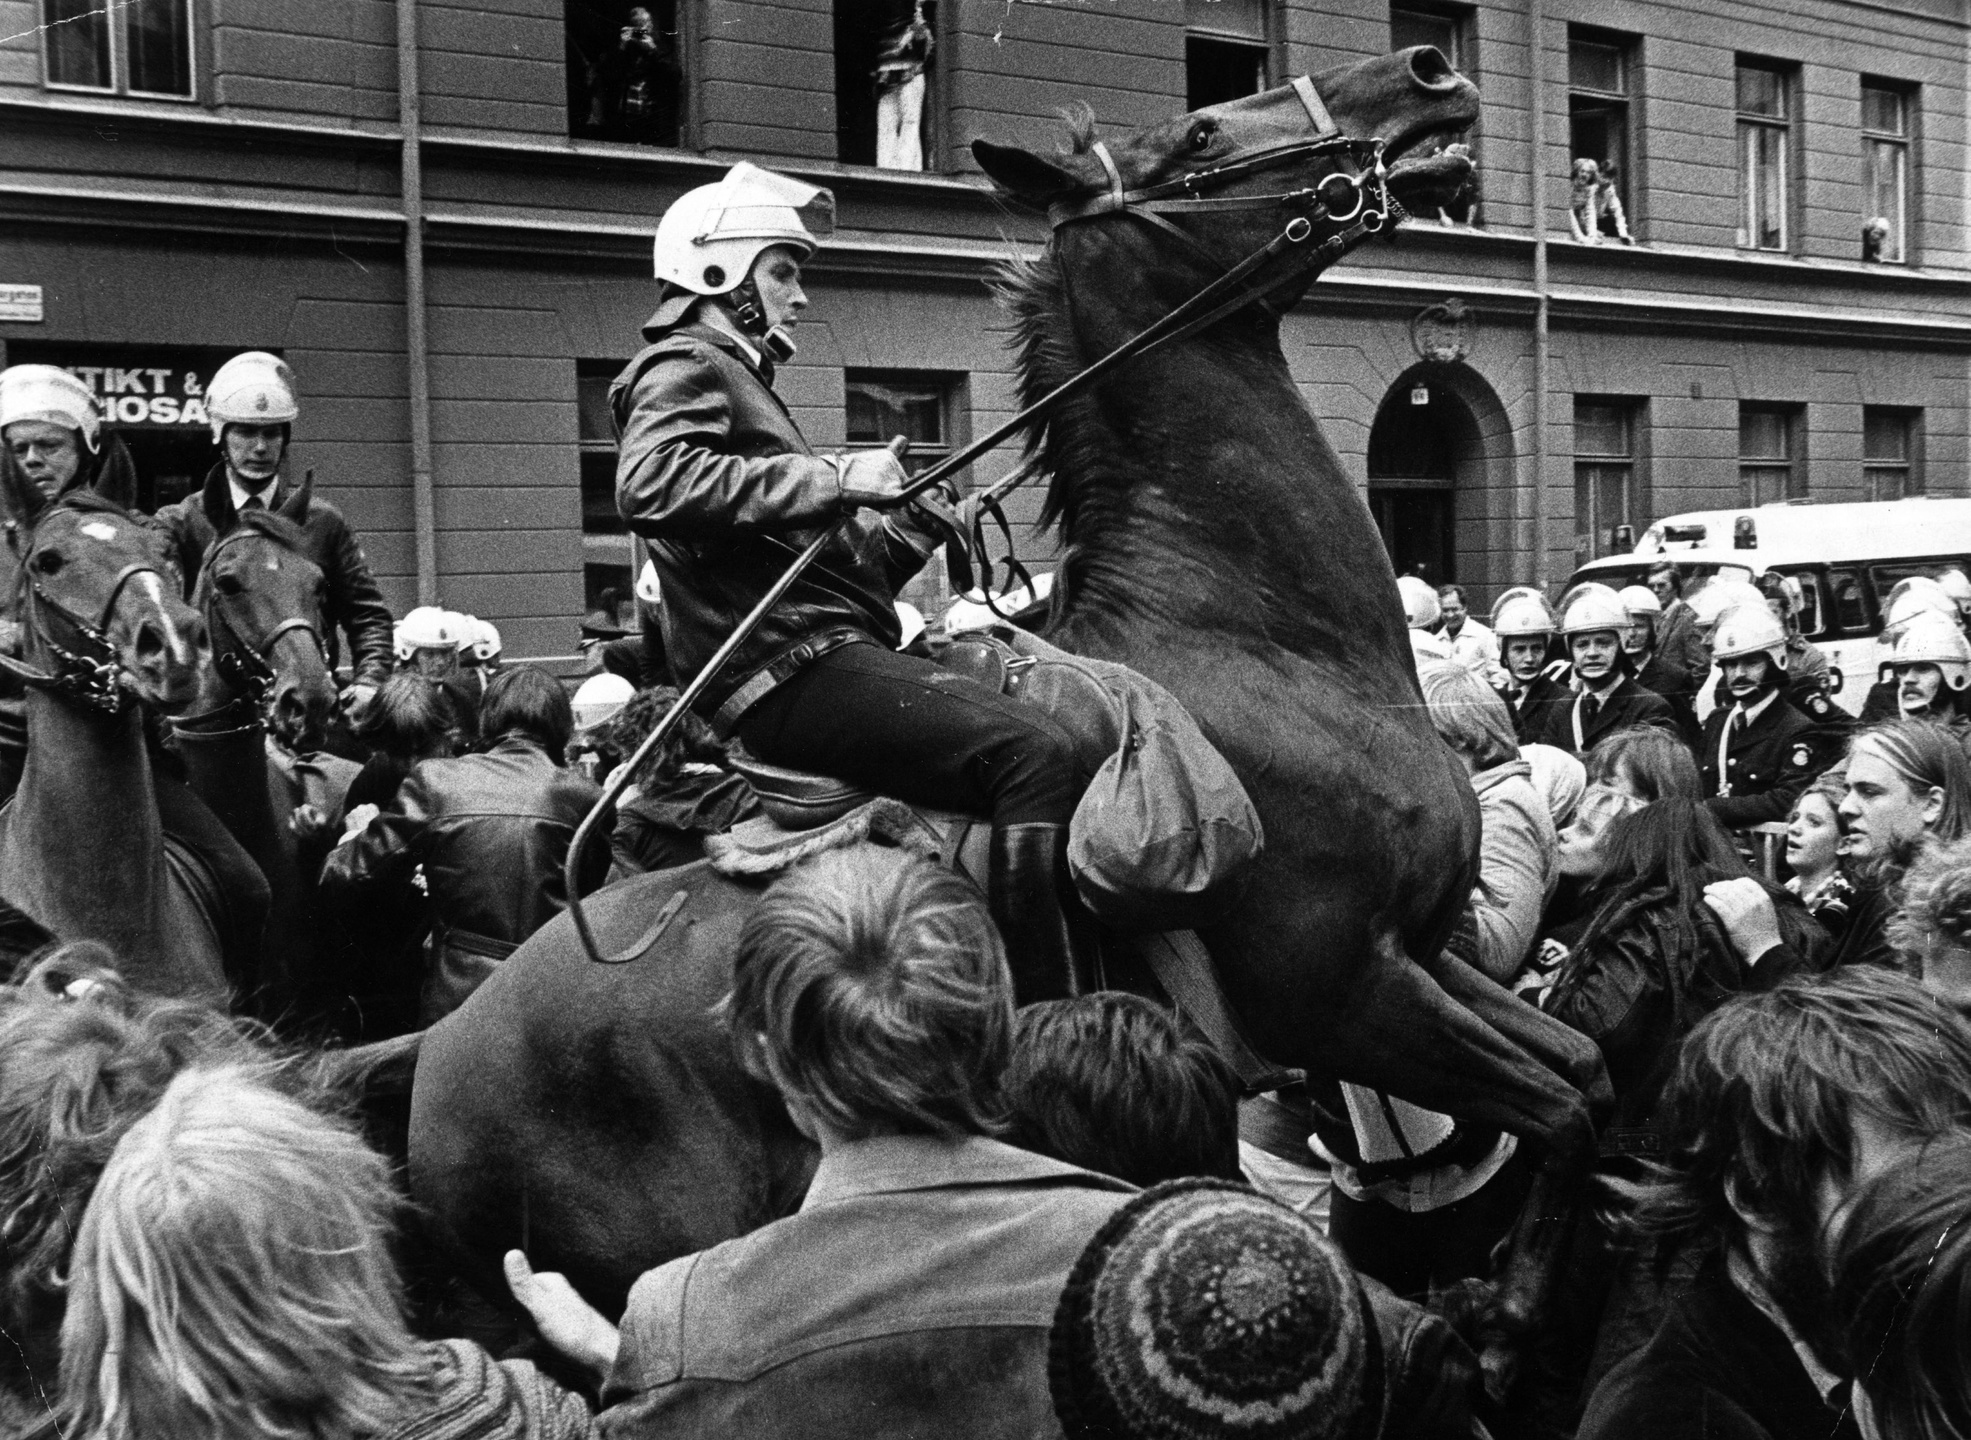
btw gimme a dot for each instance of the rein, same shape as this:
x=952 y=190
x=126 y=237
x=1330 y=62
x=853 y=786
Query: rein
x=1229 y=293
x=88 y=670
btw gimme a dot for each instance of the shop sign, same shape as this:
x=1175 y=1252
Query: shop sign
x=139 y=387
x=20 y=302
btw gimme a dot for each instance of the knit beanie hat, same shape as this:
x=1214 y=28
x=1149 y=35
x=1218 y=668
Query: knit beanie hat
x=1205 y=1309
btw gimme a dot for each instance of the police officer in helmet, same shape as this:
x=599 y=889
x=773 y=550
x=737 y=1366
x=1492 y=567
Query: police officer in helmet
x=716 y=475
x=1758 y=752
x=1606 y=695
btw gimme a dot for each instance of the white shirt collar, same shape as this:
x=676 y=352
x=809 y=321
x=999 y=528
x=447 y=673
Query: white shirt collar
x=1753 y=712
x=241 y=494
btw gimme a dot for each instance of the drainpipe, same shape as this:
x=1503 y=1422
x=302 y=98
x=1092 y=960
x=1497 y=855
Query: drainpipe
x=1536 y=18
x=424 y=511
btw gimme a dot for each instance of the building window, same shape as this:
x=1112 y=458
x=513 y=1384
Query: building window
x=1885 y=172
x=1448 y=29
x=625 y=71
x=1225 y=50
x=1765 y=135
x=1605 y=488
x=141 y=47
x=920 y=406
x=1890 y=461
x=608 y=552
x=1598 y=134
x=885 y=63
x=1769 y=465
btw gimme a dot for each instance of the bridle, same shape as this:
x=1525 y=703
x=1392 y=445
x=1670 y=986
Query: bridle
x=247 y=668
x=88 y=670
x=1348 y=206
x=1356 y=202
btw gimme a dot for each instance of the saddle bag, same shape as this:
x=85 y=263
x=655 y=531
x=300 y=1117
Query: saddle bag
x=1164 y=831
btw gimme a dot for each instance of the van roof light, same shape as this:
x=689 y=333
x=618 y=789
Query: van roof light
x=1744 y=534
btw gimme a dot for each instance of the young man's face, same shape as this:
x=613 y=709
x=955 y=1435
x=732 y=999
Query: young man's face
x=1639 y=632
x=1881 y=813
x=1594 y=656
x=253 y=452
x=1524 y=655
x=1747 y=677
x=47 y=454
x=1918 y=687
x=777 y=279
x=1663 y=586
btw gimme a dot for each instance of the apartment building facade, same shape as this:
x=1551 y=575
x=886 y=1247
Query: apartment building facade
x=440 y=213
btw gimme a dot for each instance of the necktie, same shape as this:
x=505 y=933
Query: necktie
x=253 y=502
x=1590 y=707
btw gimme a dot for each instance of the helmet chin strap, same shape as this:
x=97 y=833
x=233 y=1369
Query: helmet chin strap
x=774 y=339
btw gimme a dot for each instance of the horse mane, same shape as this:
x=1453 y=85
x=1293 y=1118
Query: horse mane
x=275 y=527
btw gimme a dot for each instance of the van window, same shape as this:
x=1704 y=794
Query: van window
x=1812 y=604
x=1887 y=577
x=1848 y=601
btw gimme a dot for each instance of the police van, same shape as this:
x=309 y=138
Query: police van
x=1846 y=558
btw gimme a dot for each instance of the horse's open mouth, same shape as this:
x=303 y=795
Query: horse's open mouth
x=1432 y=171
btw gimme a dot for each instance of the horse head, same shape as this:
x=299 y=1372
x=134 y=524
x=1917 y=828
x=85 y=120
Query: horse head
x=1217 y=184
x=263 y=601
x=97 y=615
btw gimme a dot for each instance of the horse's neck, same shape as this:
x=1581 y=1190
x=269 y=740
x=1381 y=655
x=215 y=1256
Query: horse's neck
x=225 y=754
x=1205 y=497
x=84 y=851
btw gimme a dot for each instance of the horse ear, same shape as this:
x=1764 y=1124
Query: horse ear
x=116 y=473
x=20 y=497
x=1032 y=178
x=295 y=507
x=217 y=501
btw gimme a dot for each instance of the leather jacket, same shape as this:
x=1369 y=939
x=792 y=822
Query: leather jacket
x=715 y=474
x=355 y=605
x=491 y=832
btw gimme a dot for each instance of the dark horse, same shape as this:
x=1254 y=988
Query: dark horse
x=262 y=600
x=1214 y=543
x=82 y=849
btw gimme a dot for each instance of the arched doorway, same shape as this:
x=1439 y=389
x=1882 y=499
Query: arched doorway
x=1438 y=450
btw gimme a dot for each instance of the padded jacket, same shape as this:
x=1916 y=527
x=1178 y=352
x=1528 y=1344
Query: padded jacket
x=354 y=606
x=715 y=474
x=491 y=832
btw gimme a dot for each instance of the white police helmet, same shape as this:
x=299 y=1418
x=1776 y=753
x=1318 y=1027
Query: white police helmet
x=1719 y=596
x=485 y=641
x=252 y=388
x=709 y=238
x=648 y=590
x=1917 y=595
x=1522 y=612
x=1640 y=600
x=1591 y=607
x=599 y=698
x=1750 y=630
x=1421 y=607
x=427 y=628
x=52 y=395
x=1935 y=640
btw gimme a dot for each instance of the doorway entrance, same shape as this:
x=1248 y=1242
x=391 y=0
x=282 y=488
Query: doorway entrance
x=1421 y=434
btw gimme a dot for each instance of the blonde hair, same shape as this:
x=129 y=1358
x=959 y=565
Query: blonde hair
x=1468 y=714
x=231 y=1277
x=873 y=985
x=1936 y=895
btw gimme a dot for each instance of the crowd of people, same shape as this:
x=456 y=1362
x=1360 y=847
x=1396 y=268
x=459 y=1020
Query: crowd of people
x=1039 y=1208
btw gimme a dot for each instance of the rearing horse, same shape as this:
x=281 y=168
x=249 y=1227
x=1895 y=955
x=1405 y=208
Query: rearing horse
x=82 y=849
x=1216 y=544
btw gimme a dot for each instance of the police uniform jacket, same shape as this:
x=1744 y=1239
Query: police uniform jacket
x=715 y=474
x=1627 y=704
x=354 y=603
x=1529 y=710
x=1767 y=764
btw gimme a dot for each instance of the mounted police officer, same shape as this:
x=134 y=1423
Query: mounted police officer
x=1758 y=752
x=1535 y=681
x=715 y=474
x=252 y=405
x=1607 y=697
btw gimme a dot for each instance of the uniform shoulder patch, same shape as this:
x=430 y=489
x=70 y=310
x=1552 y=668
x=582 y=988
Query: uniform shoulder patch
x=1802 y=756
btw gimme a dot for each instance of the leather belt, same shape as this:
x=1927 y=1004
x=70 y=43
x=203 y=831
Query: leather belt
x=782 y=667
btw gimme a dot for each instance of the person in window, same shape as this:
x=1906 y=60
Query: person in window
x=634 y=87
x=714 y=473
x=900 y=86
x=1876 y=234
x=252 y=403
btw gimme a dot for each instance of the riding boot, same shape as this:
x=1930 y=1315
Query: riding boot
x=1030 y=894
